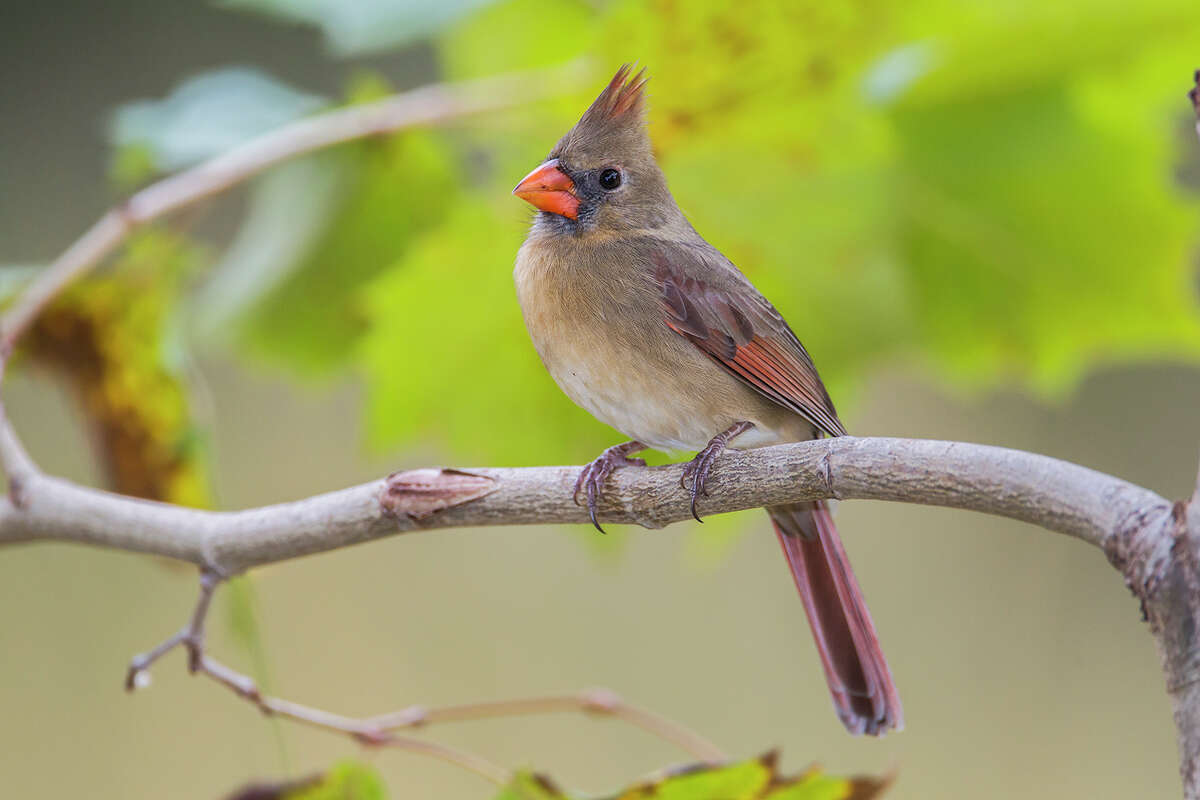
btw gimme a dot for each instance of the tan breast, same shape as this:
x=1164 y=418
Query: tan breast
x=593 y=314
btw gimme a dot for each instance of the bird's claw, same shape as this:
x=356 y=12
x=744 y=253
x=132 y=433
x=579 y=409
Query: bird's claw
x=698 y=468
x=592 y=477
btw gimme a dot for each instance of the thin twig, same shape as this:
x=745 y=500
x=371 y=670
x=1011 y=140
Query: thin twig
x=358 y=729
x=591 y=701
x=14 y=459
x=425 y=106
x=16 y=462
x=379 y=730
x=365 y=732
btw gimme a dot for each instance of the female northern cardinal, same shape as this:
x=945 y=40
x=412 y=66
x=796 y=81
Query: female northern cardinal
x=653 y=331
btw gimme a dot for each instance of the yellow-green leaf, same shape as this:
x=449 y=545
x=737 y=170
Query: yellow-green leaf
x=755 y=779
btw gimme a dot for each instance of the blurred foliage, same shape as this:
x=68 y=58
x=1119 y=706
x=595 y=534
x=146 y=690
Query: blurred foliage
x=393 y=190
x=364 y=26
x=112 y=337
x=347 y=780
x=203 y=116
x=756 y=779
x=983 y=192
x=287 y=212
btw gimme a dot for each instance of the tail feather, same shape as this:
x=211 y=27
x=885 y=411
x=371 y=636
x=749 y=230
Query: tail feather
x=859 y=679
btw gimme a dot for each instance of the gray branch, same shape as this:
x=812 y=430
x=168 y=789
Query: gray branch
x=1054 y=494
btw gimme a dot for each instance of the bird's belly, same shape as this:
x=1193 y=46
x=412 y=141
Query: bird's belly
x=641 y=409
x=675 y=404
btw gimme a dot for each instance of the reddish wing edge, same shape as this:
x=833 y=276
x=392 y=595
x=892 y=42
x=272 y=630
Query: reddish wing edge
x=744 y=333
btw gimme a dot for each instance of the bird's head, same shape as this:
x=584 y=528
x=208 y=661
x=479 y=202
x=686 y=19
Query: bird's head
x=602 y=176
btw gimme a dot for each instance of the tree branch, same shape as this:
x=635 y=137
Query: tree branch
x=1055 y=494
x=602 y=702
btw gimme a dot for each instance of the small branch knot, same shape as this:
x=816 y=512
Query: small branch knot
x=1185 y=548
x=373 y=738
x=601 y=701
x=1178 y=683
x=1142 y=549
x=827 y=475
x=411 y=717
x=17 y=494
x=420 y=493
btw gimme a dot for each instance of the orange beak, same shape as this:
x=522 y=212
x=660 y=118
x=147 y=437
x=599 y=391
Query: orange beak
x=549 y=189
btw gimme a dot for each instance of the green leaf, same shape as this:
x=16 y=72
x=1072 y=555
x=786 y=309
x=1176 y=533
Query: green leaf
x=365 y=26
x=393 y=190
x=131 y=165
x=1056 y=245
x=288 y=212
x=203 y=116
x=348 y=780
x=482 y=44
x=530 y=786
x=983 y=49
x=747 y=780
x=755 y=779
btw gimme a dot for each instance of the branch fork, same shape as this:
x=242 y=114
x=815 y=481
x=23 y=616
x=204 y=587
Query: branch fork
x=380 y=730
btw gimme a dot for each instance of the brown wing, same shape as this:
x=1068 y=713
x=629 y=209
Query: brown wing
x=739 y=329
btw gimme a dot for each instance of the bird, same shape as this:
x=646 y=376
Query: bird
x=648 y=327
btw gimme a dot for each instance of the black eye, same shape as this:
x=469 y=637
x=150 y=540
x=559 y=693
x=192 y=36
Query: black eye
x=610 y=179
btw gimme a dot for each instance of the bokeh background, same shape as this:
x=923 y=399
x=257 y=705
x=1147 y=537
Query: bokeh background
x=980 y=217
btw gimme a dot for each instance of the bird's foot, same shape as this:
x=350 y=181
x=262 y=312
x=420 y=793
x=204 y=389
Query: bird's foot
x=698 y=468
x=591 y=478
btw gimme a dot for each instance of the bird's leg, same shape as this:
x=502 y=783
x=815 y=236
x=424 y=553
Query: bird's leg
x=591 y=478
x=698 y=468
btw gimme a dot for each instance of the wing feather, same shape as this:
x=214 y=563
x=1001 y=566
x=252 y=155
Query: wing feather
x=739 y=329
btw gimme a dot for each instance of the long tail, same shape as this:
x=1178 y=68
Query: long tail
x=859 y=679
